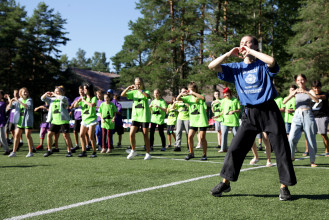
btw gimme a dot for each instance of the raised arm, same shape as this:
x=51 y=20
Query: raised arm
x=216 y=64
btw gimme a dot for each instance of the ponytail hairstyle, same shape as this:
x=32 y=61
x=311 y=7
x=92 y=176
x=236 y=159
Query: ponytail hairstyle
x=90 y=90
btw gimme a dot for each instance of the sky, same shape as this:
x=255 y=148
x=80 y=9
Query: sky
x=92 y=25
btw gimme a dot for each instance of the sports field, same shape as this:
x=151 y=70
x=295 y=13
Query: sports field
x=166 y=187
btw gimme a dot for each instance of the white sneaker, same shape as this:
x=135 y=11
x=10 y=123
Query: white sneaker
x=29 y=155
x=199 y=146
x=132 y=154
x=147 y=156
x=12 y=154
x=253 y=161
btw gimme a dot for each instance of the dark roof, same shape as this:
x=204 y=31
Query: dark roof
x=100 y=80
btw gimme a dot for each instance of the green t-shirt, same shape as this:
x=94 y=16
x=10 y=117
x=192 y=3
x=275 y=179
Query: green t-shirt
x=56 y=118
x=279 y=101
x=88 y=113
x=172 y=115
x=197 y=111
x=183 y=111
x=107 y=111
x=228 y=105
x=158 y=116
x=289 y=105
x=141 y=110
x=216 y=105
x=21 y=114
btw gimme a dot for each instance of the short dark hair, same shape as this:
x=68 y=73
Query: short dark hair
x=254 y=39
x=302 y=75
x=316 y=83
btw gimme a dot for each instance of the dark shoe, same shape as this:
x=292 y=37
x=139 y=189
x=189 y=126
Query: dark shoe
x=219 y=189
x=163 y=149
x=69 y=154
x=19 y=145
x=305 y=154
x=34 y=150
x=7 y=152
x=260 y=148
x=55 y=150
x=177 y=149
x=9 y=141
x=189 y=156
x=54 y=145
x=93 y=155
x=219 y=146
x=168 y=146
x=284 y=194
x=83 y=154
x=88 y=148
x=48 y=154
x=39 y=147
x=204 y=157
x=73 y=149
x=151 y=149
x=118 y=145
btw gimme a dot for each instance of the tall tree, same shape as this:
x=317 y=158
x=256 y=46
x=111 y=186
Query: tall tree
x=99 y=63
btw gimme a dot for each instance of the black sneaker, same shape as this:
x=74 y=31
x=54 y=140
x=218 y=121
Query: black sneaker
x=284 y=194
x=69 y=154
x=151 y=149
x=88 y=148
x=163 y=149
x=55 y=150
x=219 y=147
x=189 y=156
x=219 y=189
x=34 y=150
x=204 y=157
x=83 y=154
x=260 y=148
x=177 y=149
x=7 y=152
x=48 y=154
x=73 y=149
x=93 y=155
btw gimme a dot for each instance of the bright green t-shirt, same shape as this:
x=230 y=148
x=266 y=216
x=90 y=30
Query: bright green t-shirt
x=21 y=114
x=56 y=118
x=289 y=105
x=158 y=116
x=197 y=111
x=216 y=105
x=228 y=105
x=279 y=102
x=172 y=115
x=183 y=111
x=88 y=113
x=141 y=111
x=107 y=111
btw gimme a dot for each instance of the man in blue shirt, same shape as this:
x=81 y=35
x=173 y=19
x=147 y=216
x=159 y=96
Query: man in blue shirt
x=253 y=81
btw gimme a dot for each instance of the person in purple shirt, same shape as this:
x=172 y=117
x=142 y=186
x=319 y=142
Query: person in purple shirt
x=98 y=129
x=44 y=125
x=118 y=119
x=3 y=139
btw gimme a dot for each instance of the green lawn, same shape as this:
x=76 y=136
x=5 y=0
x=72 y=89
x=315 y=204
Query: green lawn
x=29 y=185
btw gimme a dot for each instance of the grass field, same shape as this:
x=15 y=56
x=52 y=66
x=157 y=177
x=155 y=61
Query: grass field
x=166 y=187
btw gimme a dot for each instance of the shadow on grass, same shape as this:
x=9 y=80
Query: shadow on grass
x=24 y=166
x=294 y=197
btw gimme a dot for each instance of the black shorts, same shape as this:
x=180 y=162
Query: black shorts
x=119 y=129
x=65 y=128
x=170 y=129
x=11 y=126
x=77 y=125
x=196 y=128
x=139 y=124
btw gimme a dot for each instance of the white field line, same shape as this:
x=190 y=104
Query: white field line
x=48 y=211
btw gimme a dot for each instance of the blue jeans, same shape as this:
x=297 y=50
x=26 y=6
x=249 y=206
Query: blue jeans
x=225 y=129
x=303 y=120
x=98 y=131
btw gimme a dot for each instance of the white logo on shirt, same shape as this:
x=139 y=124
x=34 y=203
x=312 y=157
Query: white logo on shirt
x=251 y=79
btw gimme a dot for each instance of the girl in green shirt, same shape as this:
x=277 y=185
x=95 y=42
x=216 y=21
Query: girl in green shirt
x=89 y=119
x=158 y=113
x=198 y=118
x=171 y=122
x=141 y=115
x=23 y=117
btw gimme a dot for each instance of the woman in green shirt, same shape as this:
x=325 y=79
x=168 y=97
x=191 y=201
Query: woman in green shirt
x=23 y=117
x=88 y=104
x=198 y=118
x=141 y=115
x=230 y=108
x=158 y=113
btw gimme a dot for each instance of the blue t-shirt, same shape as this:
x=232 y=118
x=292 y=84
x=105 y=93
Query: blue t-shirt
x=253 y=82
